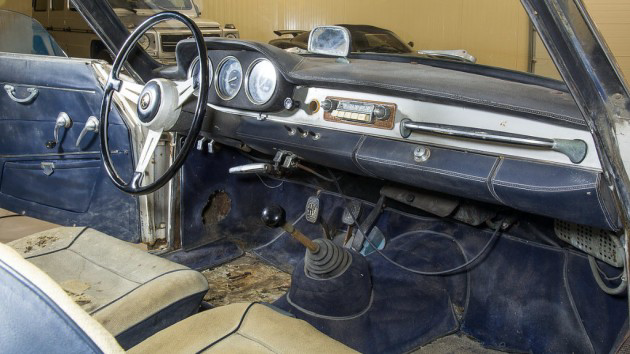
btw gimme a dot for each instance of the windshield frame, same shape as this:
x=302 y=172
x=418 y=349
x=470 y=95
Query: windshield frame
x=595 y=81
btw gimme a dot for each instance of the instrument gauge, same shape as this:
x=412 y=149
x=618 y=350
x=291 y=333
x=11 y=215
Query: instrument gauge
x=194 y=71
x=229 y=78
x=261 y=81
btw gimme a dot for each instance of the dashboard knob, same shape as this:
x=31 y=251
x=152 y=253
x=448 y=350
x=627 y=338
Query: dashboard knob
x=381 y=112
x=327 y=105
x=290 y=104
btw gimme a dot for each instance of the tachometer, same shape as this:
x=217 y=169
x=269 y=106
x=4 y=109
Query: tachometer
x=229 y=78
x=261 y=80
x=195 y=73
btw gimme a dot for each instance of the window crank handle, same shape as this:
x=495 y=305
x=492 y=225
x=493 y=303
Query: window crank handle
x=90 y=126
x=63 y=121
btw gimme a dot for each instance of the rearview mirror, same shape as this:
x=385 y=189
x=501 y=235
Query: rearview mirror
x=329 y=40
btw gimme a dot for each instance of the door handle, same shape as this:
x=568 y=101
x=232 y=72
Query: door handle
x=90 y=126
x=63 y=121
x=11 y=92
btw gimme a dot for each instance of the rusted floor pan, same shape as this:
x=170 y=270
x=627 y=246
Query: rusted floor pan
x=246 y=279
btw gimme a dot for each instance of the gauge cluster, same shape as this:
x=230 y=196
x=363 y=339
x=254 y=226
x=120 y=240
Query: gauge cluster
x=242 y=79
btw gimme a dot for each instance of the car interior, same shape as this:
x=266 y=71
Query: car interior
x=406 y=200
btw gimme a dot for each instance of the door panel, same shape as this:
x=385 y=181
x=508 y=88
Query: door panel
x=65 y=184
x=29 y=180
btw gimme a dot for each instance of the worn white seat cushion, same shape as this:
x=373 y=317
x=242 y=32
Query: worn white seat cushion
x=263 y=330
x=130 y=292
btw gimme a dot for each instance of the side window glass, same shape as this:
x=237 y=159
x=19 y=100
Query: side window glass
x=23 y=35
x=40 y=5
x=57 y=5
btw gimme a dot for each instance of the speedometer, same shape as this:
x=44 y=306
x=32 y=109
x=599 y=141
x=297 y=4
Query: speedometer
x=229 y=78
x=261 y=81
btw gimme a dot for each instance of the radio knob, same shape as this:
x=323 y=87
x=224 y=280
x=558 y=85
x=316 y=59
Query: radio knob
x=381 y=112
x=327 y=105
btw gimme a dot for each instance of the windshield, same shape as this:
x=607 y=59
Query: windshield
x=152 y=4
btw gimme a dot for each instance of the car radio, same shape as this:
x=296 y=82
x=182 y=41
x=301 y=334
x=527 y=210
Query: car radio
x=359 y=112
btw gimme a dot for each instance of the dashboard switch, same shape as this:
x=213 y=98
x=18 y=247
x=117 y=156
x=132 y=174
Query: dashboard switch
x=201 y=143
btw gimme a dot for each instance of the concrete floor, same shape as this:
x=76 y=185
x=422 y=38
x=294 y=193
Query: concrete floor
x=15 y=226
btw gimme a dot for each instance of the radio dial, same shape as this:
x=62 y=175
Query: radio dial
x=327 y=105
x=381 y=112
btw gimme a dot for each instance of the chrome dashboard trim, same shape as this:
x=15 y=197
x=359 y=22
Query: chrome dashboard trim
x=428 y=112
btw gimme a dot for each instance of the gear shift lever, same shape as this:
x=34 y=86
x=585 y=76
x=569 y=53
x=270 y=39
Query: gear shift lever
x=274 y=216
x=327 y=273
x=323 y=259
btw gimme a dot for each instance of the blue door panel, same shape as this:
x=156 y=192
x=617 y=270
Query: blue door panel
x=78 y=191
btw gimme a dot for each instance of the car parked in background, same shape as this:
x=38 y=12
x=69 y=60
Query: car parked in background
x=369 y=39
x=74 y=35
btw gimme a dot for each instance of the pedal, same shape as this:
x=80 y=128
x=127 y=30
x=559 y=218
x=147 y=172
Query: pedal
x=311 y=212
x=351 y=213
x=601 y=244
x=350 y=217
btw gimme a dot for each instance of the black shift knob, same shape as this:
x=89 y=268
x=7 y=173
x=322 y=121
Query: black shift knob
x=273 y=216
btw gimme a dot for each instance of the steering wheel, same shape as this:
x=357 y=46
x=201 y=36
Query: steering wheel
x=159 y=104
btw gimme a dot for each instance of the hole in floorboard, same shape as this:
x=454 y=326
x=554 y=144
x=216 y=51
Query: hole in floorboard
x=245 y=279
x=217 y=209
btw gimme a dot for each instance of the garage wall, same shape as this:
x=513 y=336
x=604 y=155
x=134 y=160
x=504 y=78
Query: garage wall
x=613 y=21
x=23 y=6
x=495 y=31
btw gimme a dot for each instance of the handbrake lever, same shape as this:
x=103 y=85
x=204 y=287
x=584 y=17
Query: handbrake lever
x=251 y=168
x=283 y=161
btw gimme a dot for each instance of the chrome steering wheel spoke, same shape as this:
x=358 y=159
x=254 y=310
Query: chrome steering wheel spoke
x=130 y=91
x=148 y=149
x=185 y=89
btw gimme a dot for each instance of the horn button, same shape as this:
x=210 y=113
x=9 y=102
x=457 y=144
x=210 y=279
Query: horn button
x=149 y=102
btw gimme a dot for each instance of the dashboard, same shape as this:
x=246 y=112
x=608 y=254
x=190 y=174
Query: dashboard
x=478 y=137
